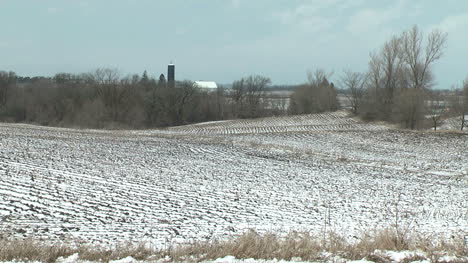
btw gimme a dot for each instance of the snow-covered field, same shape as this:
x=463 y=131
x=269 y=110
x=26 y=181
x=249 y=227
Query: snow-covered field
x=454 y=123
x=215 y=180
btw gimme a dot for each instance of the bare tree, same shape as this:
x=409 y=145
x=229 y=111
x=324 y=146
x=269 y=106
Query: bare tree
x=459 y=104
x=255 y=90
x=355 y=83
x=318 y=77
x=374 y=85
x=247 y=95
x=464 y=111
x=318 y=95
x=7 y=83
x=237 y=95
x=220 y=101
x=110 y=89
x=436 y=107
x=162 y=81
x=186 y=91
x=392 y=64
x=403 y=63
x=418 y=59
x=385 y=73
x=409 y=108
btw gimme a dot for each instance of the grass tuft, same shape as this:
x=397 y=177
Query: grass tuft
x=251 y=244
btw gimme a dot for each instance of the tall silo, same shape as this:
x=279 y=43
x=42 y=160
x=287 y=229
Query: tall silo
x=171 y=75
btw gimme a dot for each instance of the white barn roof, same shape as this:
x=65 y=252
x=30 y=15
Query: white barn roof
x=206 y=84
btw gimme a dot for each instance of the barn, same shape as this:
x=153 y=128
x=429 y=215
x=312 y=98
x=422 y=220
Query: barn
x=206 y=85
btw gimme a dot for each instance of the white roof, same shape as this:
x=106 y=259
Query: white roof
x=206 y=84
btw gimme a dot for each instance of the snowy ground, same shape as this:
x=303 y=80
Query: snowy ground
x=403 y=256
x=215 y=180
x=454 y=123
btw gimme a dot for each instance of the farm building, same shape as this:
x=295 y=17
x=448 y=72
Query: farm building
x=209 y=85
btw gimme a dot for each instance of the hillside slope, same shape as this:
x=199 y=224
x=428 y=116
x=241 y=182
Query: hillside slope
x=215 y=180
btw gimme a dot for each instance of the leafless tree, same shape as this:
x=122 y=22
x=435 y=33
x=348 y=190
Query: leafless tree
x=371 y=104
x=186 y=91
x=436 y=107
x=385 y=74
x=464 y=111
x=7 y=83
x=318 y=77
x=420 y=59
x=247 y=95
x=355 y=83
x=459 y=104
x=393 y=73
x=110 y=89
x=318 y=95
x=173 y=106
x=409 y=108
x=220 y=101
x=238 y=95
x=403 y=63
x=255 y=90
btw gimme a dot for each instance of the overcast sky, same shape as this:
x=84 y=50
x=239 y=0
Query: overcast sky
x=221 y=40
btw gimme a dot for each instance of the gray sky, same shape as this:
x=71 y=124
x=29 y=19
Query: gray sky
x=221 y=40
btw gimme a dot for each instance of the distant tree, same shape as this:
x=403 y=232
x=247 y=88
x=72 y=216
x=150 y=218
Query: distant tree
x=7 y=84
x=436 y=107
x=247 y=96
x=464 y=108
x=355 y=83
x=419 y=59
x=62 y=78
x=392 y=68
x=151 y=104
x=109 y=90
x=184 y=94
x=318 y=95
x=144 y=76
x=409 y=108
x=403 y=63
x=255 y=90
x=173 y=106
x=220 y=101
x=418 y=63
x=145 y=80
x=459 y=104
x=162 y=81
x=384 y=77
x=238 y=95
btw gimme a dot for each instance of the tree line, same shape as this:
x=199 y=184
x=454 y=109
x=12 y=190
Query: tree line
x=397 y=87
x=106 y=99
x=398 y=84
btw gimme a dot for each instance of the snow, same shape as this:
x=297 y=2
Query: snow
x=206 y=84
x=218 y=180
x=401 y=255
x=453 y=124
x=124 y=260
x=71 y=259
x=392 y=255
x=231 y=259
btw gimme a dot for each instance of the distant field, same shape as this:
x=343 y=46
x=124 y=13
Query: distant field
x=215 y=180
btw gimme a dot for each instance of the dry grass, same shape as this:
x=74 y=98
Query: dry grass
x=249 y=245
x=31 y=250
x=254 y=245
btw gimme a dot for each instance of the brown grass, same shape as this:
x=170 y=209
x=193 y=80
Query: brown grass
x=31 y=250
x=249 y=245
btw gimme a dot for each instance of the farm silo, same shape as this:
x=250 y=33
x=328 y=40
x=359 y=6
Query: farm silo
x=171 y=75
